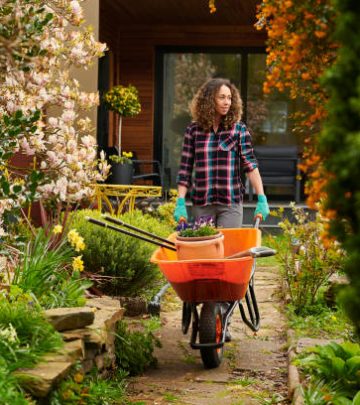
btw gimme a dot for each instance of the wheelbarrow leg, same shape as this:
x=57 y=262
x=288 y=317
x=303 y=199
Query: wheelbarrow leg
x=195 y=324
x=186 y=317
x=253 y=310
x=250 y=306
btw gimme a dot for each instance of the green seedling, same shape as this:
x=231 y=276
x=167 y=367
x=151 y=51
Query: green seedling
x=168 y=396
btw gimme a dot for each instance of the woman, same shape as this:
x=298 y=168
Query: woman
x=216 y=144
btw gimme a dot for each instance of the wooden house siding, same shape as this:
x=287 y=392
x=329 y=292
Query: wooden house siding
x=133 y=48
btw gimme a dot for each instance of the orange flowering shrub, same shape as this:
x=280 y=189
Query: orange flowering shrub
x=304 y=40
x=300 y=48
x=212 y=7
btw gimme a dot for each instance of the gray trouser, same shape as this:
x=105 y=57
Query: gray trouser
x=224 y=216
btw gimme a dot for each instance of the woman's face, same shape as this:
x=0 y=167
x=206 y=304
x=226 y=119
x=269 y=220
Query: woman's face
x=222 y=100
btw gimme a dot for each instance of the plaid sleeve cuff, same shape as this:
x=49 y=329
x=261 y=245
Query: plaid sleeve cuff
x=250 y=166
x=183 y=180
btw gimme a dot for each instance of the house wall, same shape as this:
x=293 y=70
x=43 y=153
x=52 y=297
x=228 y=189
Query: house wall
x=133 y=50
x=88 y=79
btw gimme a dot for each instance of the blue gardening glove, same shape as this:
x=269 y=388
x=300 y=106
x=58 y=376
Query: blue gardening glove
x=262 y=207
x=180 y=209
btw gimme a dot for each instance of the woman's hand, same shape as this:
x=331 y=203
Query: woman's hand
x=180 y=209
x=262 y=207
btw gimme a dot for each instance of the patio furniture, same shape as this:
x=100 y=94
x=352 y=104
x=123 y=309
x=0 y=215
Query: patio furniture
x=278 y=167
x=147 y=170
x=124 y=194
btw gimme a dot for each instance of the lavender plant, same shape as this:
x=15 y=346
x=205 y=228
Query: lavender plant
x=203 y=226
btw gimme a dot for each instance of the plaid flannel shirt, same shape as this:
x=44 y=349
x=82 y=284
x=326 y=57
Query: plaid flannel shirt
x=216 y=159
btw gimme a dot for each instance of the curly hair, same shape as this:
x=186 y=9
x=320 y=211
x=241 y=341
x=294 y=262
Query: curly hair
x=203 y=104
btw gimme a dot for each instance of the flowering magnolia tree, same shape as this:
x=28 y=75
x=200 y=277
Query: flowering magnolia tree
x=40 y=103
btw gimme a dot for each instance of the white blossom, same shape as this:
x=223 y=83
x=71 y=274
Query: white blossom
x=66 y=151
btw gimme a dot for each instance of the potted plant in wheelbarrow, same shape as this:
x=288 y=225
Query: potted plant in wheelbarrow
x=124 y=101
x=200 y=240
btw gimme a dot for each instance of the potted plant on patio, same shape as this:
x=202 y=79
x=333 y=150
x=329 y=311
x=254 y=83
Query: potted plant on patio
x=200 y=240
x=124 y=101
x=121 y=168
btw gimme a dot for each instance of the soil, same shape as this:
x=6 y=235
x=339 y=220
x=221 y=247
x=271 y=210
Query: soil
x=254 y=368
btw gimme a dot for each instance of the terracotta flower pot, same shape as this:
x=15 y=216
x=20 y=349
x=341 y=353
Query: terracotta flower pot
x=200 y=247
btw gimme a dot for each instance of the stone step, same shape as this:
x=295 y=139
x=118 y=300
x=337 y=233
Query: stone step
x=70 y=318
x=40 y=380
x=91 y=343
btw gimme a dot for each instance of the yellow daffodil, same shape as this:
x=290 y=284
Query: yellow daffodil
x=66 y=394
x=76 y=241
x=57 y=229
x=79 y=378
x=78 y=264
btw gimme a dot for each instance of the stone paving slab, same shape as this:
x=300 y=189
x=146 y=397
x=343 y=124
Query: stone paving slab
x=255 y=358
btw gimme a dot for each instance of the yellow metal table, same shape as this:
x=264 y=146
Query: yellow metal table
x=126 y=193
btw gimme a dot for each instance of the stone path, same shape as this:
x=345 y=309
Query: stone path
x=254 y=370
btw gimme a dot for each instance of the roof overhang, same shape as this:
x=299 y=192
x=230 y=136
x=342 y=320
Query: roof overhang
x=175 y=12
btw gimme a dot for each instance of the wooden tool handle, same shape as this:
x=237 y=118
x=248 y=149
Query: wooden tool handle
x=237 y=255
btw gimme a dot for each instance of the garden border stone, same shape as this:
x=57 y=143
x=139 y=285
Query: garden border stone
x=294 y=384
x=92 y=345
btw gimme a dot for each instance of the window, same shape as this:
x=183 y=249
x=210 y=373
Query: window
x=182 y=73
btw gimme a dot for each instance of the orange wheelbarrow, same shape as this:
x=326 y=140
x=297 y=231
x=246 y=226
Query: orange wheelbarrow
x=216 y=286
x=209 y=284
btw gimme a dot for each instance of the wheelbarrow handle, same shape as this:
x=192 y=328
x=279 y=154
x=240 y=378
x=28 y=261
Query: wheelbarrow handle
x=122 y=223
x=115 y=228
x=258 y=218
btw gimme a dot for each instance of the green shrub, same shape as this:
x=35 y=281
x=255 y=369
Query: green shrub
x=46 y=271
x=307 y=261
x=10 y=392
x=342 y=164
x=321 y=322
x=337 y=368
x=134 y=349
x=165 y=212
x=124 y=258
x=25 y=335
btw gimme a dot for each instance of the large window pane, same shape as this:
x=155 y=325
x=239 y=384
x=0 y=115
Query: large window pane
x=268 y=117
x=184 y=73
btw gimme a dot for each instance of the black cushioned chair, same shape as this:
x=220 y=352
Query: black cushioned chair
x=278 y=167
x=147 y=170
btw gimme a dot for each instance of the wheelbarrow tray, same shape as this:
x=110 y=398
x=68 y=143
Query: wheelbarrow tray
x=205 y=280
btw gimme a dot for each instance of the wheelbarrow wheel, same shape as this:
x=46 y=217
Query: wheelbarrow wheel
x=210 y=331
